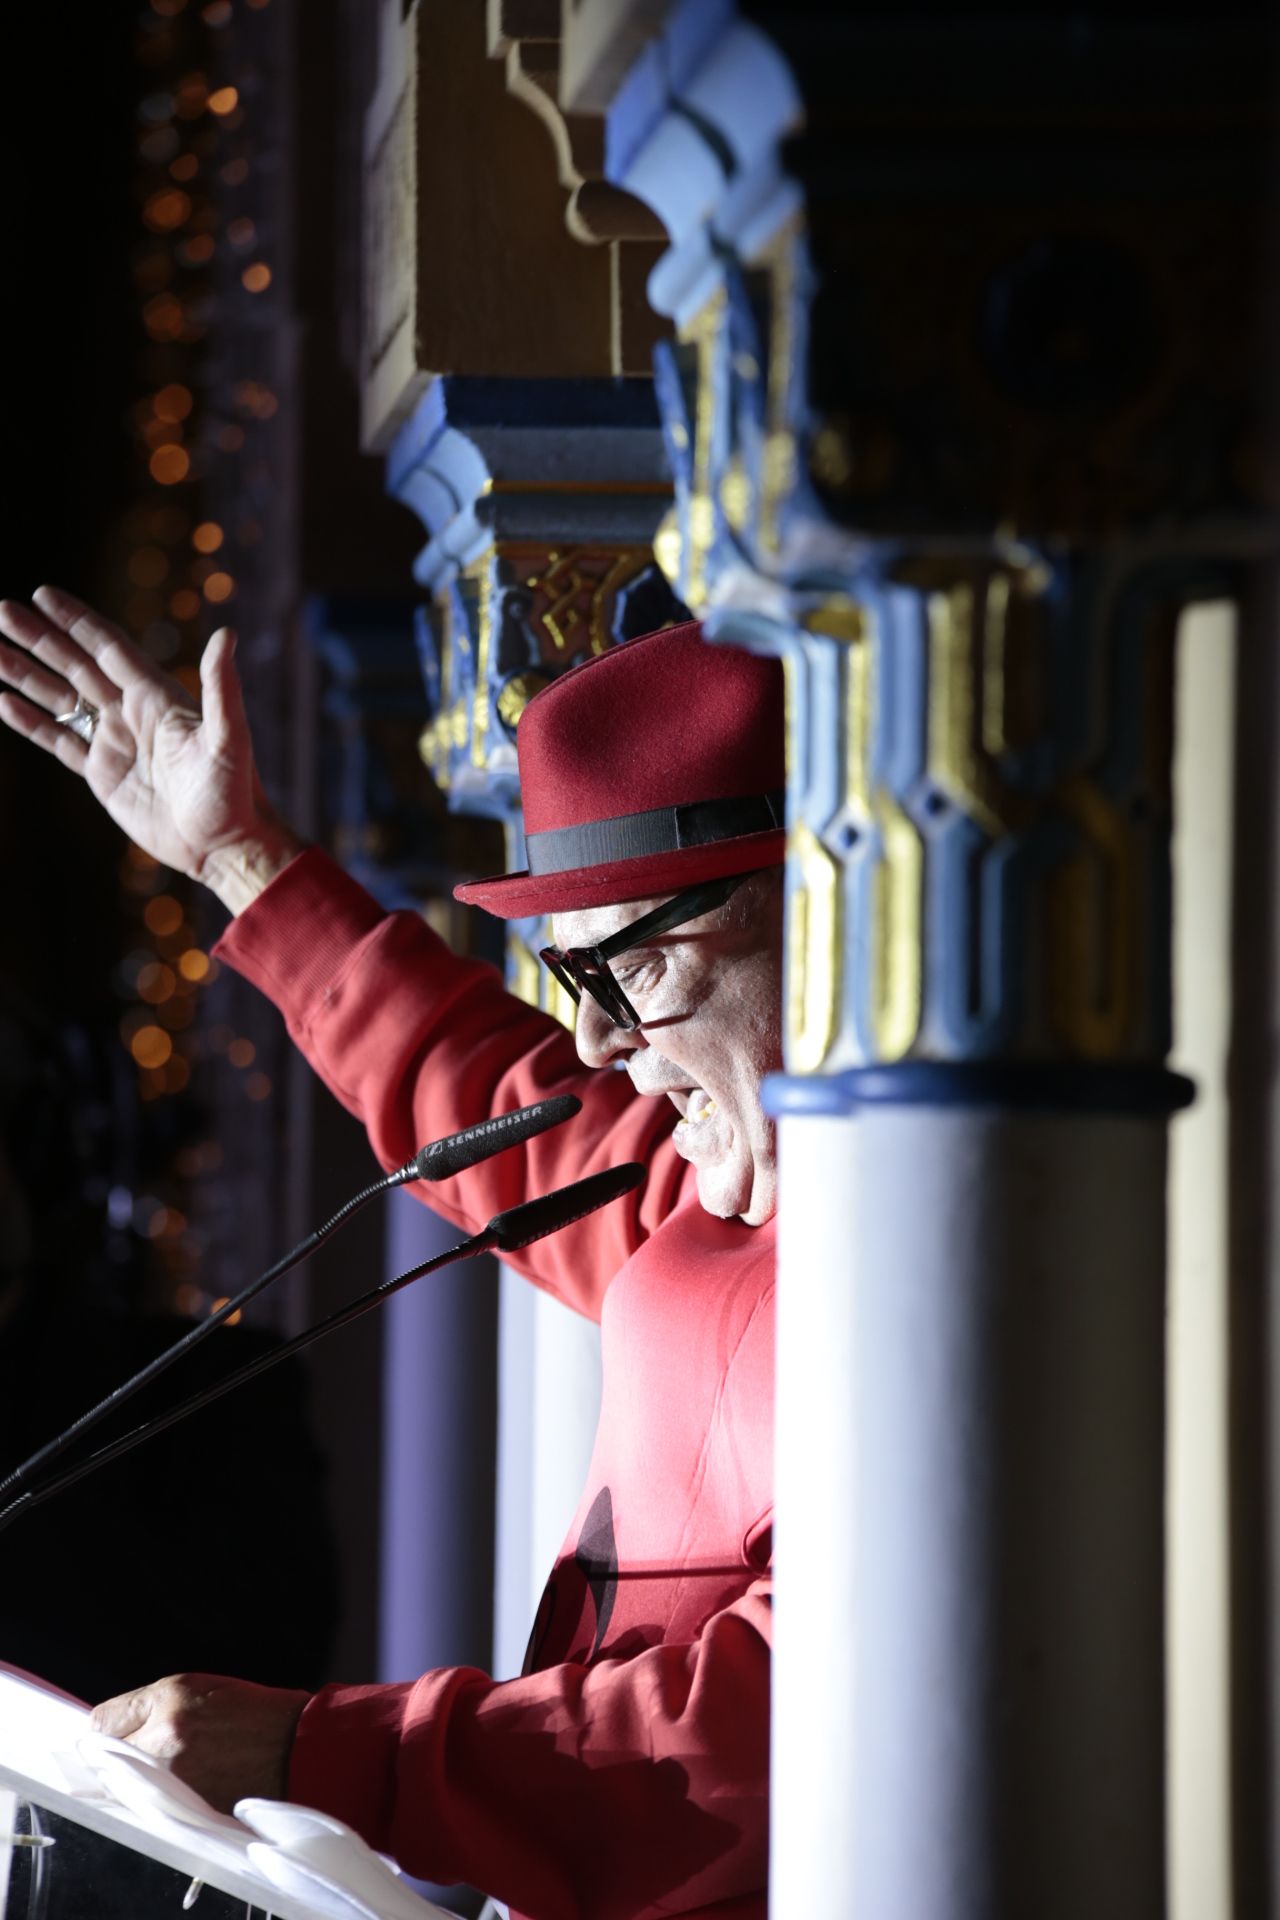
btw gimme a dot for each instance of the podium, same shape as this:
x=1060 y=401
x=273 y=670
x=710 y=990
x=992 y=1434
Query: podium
x=93 y=1829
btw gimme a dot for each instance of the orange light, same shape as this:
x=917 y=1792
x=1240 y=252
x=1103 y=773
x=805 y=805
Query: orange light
x=163 y=317
x=257 y=1086
x=168 y=9
x=217 y=13
x=148 y=566
x=232 y=1319
x=242 y=1053
x=173 y=403
x=219 y=587
x=166 y=210
x=242 y=232
x=185 y=604
x=161 y=433
x=256 y=278
x=169 y=465
x=176 y=1075
x=163 y=914
x=156 y=983
x=207 y=537
x=151 y=1046
x=185 y=167
x=196 y=251
x=224 y=100
x=193 y=964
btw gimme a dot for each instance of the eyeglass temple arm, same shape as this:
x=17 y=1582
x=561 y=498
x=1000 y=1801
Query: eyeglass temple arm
x=663 y=918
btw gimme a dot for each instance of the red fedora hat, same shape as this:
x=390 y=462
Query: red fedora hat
x=650 y=767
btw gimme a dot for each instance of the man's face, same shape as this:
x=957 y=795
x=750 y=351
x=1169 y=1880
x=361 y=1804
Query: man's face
x=709 y=997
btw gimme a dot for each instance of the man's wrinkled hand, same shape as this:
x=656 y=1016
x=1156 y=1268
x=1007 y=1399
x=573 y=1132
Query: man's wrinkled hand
x=229 y=1739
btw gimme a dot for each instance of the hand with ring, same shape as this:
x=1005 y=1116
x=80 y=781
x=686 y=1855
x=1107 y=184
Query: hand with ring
x=177 y=776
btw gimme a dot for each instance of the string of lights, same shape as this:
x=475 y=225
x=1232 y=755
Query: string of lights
x=189 y=546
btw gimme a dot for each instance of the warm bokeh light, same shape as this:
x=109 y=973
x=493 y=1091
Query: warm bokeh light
x=161 y=433
x=176 y=1075
x=257 y=278
x=232 y=1319
x=217 y=13
x=242 y=232
x=208 y=537
x=235 y=173
x=242 y=1053
x=219 y=587
x=185 y=604
x=173 y=402
x=148 y=566
x=163 y=914
x=163 y=317
x=258 y=1086
x=167 y=209
x=194 y=965
x=168 y=9
x=169 y=465
x=198 y=250
x=224 y=100
x=151 y=1046
x=156 y=983
x=185 y=167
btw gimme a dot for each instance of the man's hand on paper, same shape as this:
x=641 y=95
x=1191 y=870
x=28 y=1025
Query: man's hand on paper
x=229 y=1739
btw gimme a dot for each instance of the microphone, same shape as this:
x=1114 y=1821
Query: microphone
x=507 y=1232
x=443 y=1158
x=439 y=1160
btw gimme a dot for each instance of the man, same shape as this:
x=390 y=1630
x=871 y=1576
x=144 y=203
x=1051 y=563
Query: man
x=625 y=1773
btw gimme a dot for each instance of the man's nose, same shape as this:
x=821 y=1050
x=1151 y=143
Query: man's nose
x=598 y=1040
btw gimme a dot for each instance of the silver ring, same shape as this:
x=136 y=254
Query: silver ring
x=82 y=720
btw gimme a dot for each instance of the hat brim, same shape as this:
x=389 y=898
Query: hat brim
x=518 y=896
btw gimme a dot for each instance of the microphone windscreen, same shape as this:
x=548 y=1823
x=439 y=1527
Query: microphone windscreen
x=535 y=1219
x=458 y=1151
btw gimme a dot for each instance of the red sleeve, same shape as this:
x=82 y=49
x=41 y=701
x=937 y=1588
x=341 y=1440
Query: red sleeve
x=634 y=1788
x=419 y=1043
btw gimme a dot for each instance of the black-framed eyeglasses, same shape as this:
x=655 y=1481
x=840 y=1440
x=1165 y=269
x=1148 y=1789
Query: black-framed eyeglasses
x=586 y=969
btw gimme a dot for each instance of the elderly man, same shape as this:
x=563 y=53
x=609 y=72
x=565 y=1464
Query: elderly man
x=625 y=1772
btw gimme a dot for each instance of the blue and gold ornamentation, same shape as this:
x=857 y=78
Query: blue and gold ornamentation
x=979 y=843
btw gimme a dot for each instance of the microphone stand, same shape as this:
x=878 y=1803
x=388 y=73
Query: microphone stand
x=507 y=1232
x=437 y=1161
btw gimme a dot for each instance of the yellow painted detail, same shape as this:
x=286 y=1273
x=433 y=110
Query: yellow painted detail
x=897 y=989
x=957 y=762
x=524 y=971
x=813 y=944
x=838 y=618
x=735 y=494
x=702 y=332
x=481 y=572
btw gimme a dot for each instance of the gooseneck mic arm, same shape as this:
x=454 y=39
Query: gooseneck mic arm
x=437 y=1161
x=506 y=1233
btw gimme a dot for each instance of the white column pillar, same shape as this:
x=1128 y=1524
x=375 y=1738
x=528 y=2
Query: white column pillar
x=970 y=1418
x=439 y=1397
x=548 y=1408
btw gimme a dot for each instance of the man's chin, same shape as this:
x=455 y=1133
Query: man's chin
x=738 y=1193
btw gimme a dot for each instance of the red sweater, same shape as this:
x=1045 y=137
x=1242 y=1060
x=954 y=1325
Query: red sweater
x=625 y=1774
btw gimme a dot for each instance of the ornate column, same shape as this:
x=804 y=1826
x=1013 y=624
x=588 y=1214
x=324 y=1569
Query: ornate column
x=958 y=427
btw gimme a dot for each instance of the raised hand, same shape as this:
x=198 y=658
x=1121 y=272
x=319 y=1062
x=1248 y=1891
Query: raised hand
x=178 y=777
